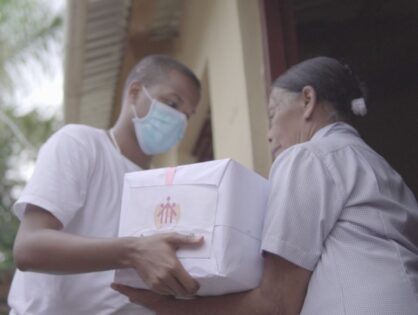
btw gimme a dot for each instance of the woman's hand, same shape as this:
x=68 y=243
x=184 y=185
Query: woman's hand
x=160 y=304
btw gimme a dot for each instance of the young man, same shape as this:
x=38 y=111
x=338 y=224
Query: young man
x=69 y=210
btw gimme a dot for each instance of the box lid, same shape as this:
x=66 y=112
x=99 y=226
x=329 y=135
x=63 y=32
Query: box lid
x=206 y=173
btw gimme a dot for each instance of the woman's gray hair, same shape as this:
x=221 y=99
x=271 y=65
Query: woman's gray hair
x=332 y=81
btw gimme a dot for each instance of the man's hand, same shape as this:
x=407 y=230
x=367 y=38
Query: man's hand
x=41 y=246
x=154 y=258
x=282 y=291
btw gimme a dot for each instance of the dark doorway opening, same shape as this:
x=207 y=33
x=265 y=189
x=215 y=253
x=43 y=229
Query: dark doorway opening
x=379 y=40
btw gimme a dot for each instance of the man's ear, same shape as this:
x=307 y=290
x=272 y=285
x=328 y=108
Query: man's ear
x=134 y=90
x=309 y=101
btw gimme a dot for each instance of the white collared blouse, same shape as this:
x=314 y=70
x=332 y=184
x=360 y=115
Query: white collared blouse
x=337 y=208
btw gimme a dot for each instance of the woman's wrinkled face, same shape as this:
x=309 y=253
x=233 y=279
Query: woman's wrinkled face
x=285 y=111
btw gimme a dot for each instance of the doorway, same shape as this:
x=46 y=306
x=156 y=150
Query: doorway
x=378 y=39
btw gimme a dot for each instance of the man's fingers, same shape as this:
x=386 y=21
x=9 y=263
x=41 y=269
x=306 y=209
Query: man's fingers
x=179 y=240
x=190 y=285
x=178 y=283
x=176 y=288
x=166 y=283
x=162 y=287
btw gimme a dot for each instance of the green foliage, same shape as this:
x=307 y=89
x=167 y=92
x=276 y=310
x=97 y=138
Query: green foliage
x=35 y=129
x=27 y=30
x=8 y=227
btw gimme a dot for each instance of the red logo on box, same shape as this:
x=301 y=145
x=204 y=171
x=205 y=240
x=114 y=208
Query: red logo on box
x=167 y=214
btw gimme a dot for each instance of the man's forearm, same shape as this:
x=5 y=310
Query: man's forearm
x=54 y=251
x=41 y=246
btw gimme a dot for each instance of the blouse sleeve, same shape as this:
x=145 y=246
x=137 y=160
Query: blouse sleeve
x=60 y=180
x=304 y=205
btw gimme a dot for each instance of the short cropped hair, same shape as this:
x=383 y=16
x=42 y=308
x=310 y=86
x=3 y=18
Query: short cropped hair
x=153 y=69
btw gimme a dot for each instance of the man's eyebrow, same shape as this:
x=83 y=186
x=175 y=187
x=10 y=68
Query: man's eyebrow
x=179 y=99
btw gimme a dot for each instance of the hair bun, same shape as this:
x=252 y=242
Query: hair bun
x=358 y=106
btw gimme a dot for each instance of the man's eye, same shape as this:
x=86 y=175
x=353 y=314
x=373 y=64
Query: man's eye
x=173 y=105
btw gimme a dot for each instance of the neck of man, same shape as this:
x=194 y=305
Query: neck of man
x=129 y=147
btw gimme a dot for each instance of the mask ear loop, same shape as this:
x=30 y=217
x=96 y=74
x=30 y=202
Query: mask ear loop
x=149 y=97
x=134 y=111
x=147 y=93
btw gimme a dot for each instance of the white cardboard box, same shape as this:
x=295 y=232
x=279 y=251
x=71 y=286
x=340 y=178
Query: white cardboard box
x=221 y=200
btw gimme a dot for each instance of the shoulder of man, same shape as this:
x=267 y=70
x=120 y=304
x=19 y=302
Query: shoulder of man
x=73 y=139
x=77 y=133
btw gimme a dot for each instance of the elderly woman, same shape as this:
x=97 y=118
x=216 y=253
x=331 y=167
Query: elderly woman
x=341 y=231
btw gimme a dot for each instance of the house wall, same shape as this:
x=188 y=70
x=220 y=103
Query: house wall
x=221 y=40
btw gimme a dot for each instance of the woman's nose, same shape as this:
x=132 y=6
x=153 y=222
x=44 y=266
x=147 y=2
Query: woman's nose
x=269 y=135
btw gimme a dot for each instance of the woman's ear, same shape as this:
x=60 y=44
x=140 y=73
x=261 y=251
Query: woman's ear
x=309 y=101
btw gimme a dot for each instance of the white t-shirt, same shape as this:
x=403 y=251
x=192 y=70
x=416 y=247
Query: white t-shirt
x=337 y=208
x=78 y=178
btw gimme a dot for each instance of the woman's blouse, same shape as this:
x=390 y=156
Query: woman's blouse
x=337 y=208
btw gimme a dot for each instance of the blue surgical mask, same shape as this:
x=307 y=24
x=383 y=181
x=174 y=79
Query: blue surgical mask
x=161 y=129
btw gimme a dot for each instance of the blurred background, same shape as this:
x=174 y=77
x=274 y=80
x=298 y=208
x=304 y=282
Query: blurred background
x=236 y=47
x=31 y=50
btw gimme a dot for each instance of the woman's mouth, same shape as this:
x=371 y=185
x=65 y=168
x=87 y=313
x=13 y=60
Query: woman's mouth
x=276 y=150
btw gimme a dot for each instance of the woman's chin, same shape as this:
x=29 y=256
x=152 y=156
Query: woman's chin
x=276 y=152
